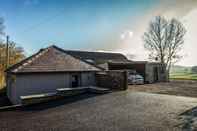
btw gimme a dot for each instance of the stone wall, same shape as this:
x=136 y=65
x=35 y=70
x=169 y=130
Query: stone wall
x=31 y=84
x=112 y=79
x=162 y=75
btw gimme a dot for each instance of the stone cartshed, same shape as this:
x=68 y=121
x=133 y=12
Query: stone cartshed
x=112 y=79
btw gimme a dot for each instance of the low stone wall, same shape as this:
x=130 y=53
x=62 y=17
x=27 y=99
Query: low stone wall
x=61 y=93
x=112 y=79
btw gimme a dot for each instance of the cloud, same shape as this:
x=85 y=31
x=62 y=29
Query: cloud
x=190 y=46
x=184 y=10
x=176 y=8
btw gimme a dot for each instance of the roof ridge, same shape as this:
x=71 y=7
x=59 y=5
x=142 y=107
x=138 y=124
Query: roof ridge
x=85 y=50
x=94 y=52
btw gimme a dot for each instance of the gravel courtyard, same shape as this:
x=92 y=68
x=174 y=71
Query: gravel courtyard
x=117 y=111
x=175 y=87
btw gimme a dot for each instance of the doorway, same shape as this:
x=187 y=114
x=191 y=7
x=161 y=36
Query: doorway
x=156 y=77
x=75 y=80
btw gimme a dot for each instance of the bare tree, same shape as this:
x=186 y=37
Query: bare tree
x=164 y=40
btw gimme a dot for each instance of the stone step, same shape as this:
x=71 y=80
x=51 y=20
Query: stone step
x=71 y=91
x=61 y=92
x=98 y=90
x=38 y=98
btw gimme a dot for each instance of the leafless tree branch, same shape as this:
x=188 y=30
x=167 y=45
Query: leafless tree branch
x=164 y=39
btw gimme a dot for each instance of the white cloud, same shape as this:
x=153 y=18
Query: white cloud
x=184 y=10
x=189 y=50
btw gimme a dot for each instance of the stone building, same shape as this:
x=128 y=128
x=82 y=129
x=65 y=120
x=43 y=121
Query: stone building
x=53 y=67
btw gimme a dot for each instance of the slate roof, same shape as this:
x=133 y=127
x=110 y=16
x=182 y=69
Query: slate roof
x=55 y=59
x=52 y=59
x=98 y=57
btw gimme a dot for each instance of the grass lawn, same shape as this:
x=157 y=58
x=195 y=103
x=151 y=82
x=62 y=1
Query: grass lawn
x=183 y=76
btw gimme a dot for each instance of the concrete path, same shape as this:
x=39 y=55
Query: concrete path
x=117 y=111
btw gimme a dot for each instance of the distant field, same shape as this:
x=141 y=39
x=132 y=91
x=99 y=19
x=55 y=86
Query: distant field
x=182 y=75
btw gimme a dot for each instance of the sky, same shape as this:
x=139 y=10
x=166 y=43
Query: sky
x=95 y=25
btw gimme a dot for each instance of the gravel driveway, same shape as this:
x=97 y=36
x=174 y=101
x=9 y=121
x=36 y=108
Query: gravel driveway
x=117 y=111
x=175 y=87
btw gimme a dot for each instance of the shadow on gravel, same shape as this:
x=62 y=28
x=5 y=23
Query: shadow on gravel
x=58 y=102
x=4 y=101
x=189 y=117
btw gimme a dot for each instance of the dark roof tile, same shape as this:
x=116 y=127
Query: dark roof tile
x=55 y=59
x=52 y=60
